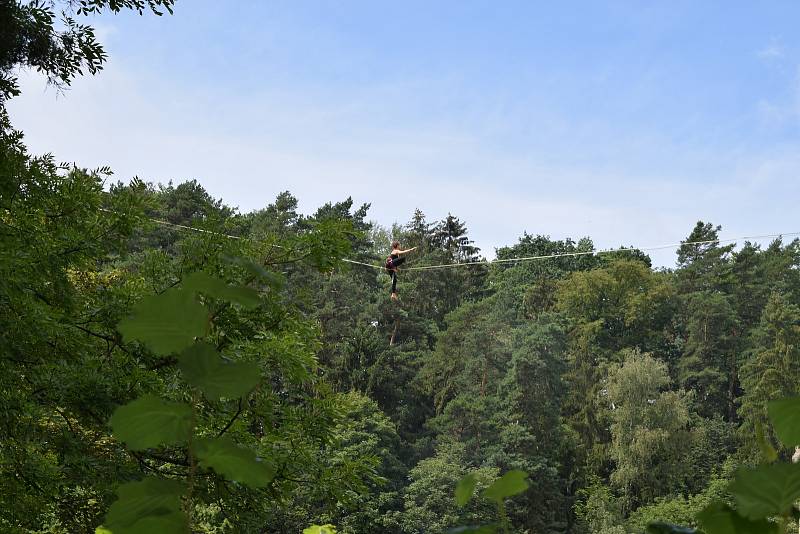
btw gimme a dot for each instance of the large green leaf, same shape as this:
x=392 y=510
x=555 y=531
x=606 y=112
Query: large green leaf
x=166 y=323
x=320 y=529
x=149 y=422
x=767 y=450
x=233 y=462
x=201 y=282
x=767 y=490
x=152 y=505
x=718 y=518
x=785 y=417
x=202 y=366
x=273 y=280
x=666 y=528
x=170 y=523
x=465 y=488
x=508 y=485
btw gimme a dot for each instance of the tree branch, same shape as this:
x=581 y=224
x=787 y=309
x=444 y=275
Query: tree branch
x=234 y=418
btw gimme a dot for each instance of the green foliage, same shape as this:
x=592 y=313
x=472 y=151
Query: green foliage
x=200 y=282
x=681 y=510
x=260 y=385
x=785 y=417
x=650 y=440
x=62 y=50
x=767 y=450
x=234 y=462
x=429 y=504
x=465 y=489
x=480 y=529
x=768 y=490
x=665 y=528
x=149 y=422
x=203 y=367
x=508 y=485
x=770 y=370
x=761 y=494
x=151 y=505
x=166 y=323
x=598 y=511
x=722 y=519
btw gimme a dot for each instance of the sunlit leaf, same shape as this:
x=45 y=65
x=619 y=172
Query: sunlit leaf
x=232 y=461
x=273 y=280
x=465 y=488
x=718 y=518
x=202 y=366
x=201 y=282
x=152 y=505
x=508 y=485
x=769 y=452
x=166 y=323
x=320 y=529
x=767 y=490
x=149 y=422
x=785 y=417
x=169 y=523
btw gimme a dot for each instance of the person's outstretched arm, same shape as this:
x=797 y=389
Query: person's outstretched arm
x=407 y=251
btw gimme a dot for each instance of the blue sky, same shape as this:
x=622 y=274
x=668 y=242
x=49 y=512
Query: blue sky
x=623 y=121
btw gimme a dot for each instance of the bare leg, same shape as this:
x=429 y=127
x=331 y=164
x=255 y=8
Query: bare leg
x=394 y=285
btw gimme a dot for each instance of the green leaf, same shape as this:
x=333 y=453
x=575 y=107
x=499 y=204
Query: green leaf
x=769 y=452
x=233 y=462
x=166 y=323
x=202 y=366
x=200 y=282
x=273 y=280
x=171 y=523
x=244 y=296
x=507 y=485
x=666 y=528
x=465 y=488
x=767 y=490
x=149 y=422
x=718 y=518
x=152 y=505
x=785 y=417
x=320 y=529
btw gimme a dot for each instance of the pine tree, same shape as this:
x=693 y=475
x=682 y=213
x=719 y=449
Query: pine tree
x=772 y=367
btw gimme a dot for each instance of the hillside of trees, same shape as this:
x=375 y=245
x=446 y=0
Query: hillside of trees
x=170 y=364
x=627 y=394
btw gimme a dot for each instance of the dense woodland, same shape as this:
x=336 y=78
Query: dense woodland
x=627 y=394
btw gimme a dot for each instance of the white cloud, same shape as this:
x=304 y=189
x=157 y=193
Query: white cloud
x=247 y=148
x=782 y=111
x=773 y=51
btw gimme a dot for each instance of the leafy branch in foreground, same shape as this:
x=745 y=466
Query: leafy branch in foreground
x=57 y=44
x=765 y=495
x=512 y=483
x=176 y=321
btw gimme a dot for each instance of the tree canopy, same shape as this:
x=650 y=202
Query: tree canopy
x=170 y=364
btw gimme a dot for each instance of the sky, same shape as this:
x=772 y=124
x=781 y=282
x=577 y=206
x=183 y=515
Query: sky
x=626 y=122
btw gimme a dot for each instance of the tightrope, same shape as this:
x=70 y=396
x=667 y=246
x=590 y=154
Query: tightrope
x=593 y=252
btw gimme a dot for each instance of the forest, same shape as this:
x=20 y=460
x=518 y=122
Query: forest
x=170 y=364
